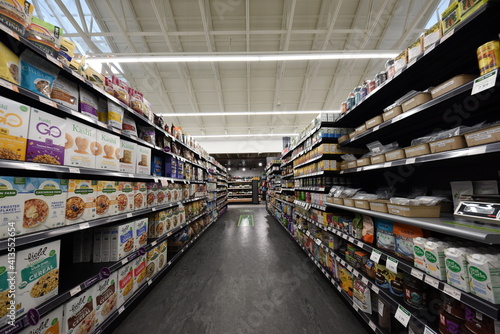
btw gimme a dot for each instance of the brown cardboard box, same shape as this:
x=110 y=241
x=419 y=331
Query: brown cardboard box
x=448 y=144
x=483 y=136
x=329 y=199
x=339 y=201
x=377 y=159
x=395 y=155
x=360 y=129
x=363 y=162
x=343 y=138
x=414 y=211
x=379 y=205
x=352 y=164
x=390 y=114
x=352 y=135
x=362 y=204
x=349 y=202
x=416 y=101
x=417 y=150
x=374 y=121
x=451 y=84
x=343 y=166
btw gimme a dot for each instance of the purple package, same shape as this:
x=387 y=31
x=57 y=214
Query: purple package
x=46 y=138
x=170 y=167
x=88 y=103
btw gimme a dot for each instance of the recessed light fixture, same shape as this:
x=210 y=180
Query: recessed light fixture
x=260 y=164
x=244 y=169
x=229 y=168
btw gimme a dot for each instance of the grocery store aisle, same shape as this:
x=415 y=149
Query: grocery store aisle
x=243 y=279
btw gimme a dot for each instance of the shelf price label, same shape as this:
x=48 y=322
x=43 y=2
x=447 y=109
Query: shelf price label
x=375 y=256
x=451 y=291
x=375 y=289
x=121 y=309
x=432 y=281
x=84 y=226
x=372 y=325
x=403 y=316
x=8 y=85
x=392 y=264
x=75 y=290
x=364 y=280
x=417 y=274
x=484 y=82
x=74 y=170
x=428 y=331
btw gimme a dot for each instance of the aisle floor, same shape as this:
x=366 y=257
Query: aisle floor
x=243 y=279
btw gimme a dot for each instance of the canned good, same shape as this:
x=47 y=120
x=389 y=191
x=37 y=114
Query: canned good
x=350 y=101
x=380 y=78
x=371 y=85
x=364 y=92
x=488 y=56
x=449 y=324
x=343 y=108
x=390 y=68
x=357 y=95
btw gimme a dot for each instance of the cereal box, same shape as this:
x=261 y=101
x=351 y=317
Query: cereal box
x=152 y=262
x=45 y=138
x=161 y=196
x=139 y=271
x=9 y=65
x=37 y=275
x=152 y=221
x=161 y=223
x=143 y=160
x=5 y=296
x=125 y=197
x=125 y=283
x=81 y=201
x=141 y=232
x=80 y=144
x=106 y=151
x=162 y=259
x=88 y=103
x=44 y=205
x=122 y=241
x=80 y=314
x=65 y=92
x=153 y=189
x=107 y=198
x=49 y=324
x=140 y=197
x=105 y=294
x=127 y=156
x=12 y=196
x=14 y=121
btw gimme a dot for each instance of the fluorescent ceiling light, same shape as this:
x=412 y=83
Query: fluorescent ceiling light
x=244 y=169
x=249 y=113
x=144 y=58
x=248 y=135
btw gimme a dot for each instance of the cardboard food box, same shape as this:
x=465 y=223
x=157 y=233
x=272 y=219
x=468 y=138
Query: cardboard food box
x=79 y=314
x=432 y=35
x=400 y=61
x=4 y=290
x=152 y=195
x=468 y=7
x=395 y=155
x=125 y=283
x=143 y=160
x=352 y=164
x=80 y=202
x=127 y=156
x=51 y=323
x=451 y=84
x=46 y=138
x=152 y=262
x=37 y=275
x=12 y=197
x=450 y=17
x=139 y=271
x=344 y=166
x=14 y=129
x=106 y=151
x=379 y=205
x=349 y=202
x=377 y=159
x=343 y=138
x=360 y=129
x=162 y=259
x=105 y=294
x=362 y=204
x=417 y=150
x=44 y=205
x=97 y=243
x=483 y=136
x=363 y=162
x=80 y=140
x=125 y=197
x=161 y=197
x=415 y=101
x=353 y=134
x=448 y=144
x=390 y=114
x=107 y=198
x=414 y=211
x=339 y=201
x=374 y=122
x=122 y=241
x=141 y=194
x=415 y=49
x=141 y=232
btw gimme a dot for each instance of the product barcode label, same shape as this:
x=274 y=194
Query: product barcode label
x=403 y=315
x=75 y=290
x=432 y=281
x=84 y=226
x=417 y=274
x=451 y=291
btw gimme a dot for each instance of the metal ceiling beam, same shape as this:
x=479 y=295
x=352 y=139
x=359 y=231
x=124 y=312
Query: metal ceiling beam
x=82 y=16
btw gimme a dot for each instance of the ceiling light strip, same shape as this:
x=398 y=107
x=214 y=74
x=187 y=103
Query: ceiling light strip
x=249 y=113
x=248 y=135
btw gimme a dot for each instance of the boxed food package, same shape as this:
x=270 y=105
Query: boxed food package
x=152 y=262
x=343 y=138
x=12 y=197
x=382 y=277
x=107 y=198
x=392 y=112
x=352 y=164
x=44 y=205
x=163 y=222
x=16 y=15
x=89 y=103
x=363 y=162
x=80 y=314
x=51 y=323
x=161 y=197
x=152 y=221
x=9 y=64
x=404 y=235
x=5 y=294
x=415 y=49
x=125 y=283
x=127 y=156
x=372 y=122
x=417 y=150
x=139 y=271
x=395 y=155
x=419 y=252
x=105 y=294
x=162 y=258
x=414 y=211
x=45 y=36
x=450 y=17
x=448 y=144
x=140 y=195
x=456 y=267
x=115 y=115
x=141 y=232
x=483 y=136
x=396 y=283
x=46 y=138
x=153 y=189
x=66 y=51
x=379 y=205
x=122 y=241
x=415 y=101
x=360 y=129
x=385 y=235
x=143 y=160
x=37 y=275
x=346 y=280
x=125 y=197
x=451 y=84
x=157 y=166
x=432 y=35
x=80 y=202
x=37 y=75
x=80 y=144
x=467 y=7
x=14 y=129
x=105 y=244
x=435 y=259
x=484 y=276
x=349 y=202
x=377 y=159
x=107 y=151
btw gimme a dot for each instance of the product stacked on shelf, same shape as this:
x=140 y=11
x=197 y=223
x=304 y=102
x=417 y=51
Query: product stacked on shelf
x=410 y=239
x=222 y=185
x=243 y=189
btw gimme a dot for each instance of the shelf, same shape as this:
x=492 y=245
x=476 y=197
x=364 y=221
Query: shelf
x=316 y=189
x=239 y=181
x=460 y=153
x=467 y=229
x=234 y=195
x=246 y=188
x=308 y=206
x=320 y=157
x=282 y=201
x=238 y=200
x=287 y=176
x=322 y=140
x=287 y=189
x=313 y=131
x=324 y=172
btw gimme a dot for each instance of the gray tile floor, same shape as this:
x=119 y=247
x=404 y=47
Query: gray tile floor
x=247 y=279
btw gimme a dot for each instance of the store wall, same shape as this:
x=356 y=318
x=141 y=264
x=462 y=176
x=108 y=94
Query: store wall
x=257 y=172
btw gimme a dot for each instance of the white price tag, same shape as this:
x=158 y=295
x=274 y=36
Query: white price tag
x=318 y=242
x=375 y=289
x=349 y=267
x=155 y=179
x=74 y=170
x=150 y=282
x=355 y=307
x=359 y=169
x=372 y=325
x=308 y=233
x=121 y=309
x=84 y=226
x=153 y=243
x=364 y=280
x=428 y=331
x=75 y=74
x=484 y=82
x=130 y=175
x=375 y=128
x=351 y=239
x=153 y=208
x=417 y=274
x=410 y=161
x=75 y=290
x=342 y=262
x=48 y=102
x=169 y=263
x=476 y=150
x=124 y=261
x=447 y=35
x=375 y=256
x=451 y=291
x=8 y=85
x=129 y=215
x=387 y=164
x=432 y=281
x=429 y=49
x=359 y=243
x=392 y=264
x=403 y=316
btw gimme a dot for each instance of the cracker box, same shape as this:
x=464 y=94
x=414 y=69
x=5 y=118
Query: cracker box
x=152 y=197
x=141 y=232
x=37 y=275
x=127 y=156
x=122 y=241
x=65 y=92
x=80 y=202
x=107 y=151
x=162 y=259
x=12 y=196
x=143 y=160
x=80 y=143
x=14 y=122
x=51 y=323
x=5 y=295
x=44 y=205
x=80 y=315
x=46 y=138
x=125 y=283
x=140 y=197
x=87 y=245
x=125 y=197
x=152 y=262
x=105 y=294
x=139 y=271
x=107 y=198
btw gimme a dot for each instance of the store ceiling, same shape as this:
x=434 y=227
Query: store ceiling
x=247 y=160
x=184 y=27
